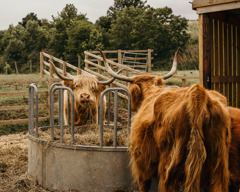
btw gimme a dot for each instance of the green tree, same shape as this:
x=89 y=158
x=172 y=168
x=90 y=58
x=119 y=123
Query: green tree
x=61 y=23
x=122 y=27
x=82 y=35
x=120 y=4
x=157 y=29
x=29 y=17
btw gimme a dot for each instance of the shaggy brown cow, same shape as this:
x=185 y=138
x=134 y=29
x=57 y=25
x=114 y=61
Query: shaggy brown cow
x=179 y=135
x=87 y=91
x=234 y=154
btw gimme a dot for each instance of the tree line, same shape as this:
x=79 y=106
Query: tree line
x=128 y=24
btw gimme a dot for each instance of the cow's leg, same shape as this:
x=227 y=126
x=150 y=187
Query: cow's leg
x=94 y=115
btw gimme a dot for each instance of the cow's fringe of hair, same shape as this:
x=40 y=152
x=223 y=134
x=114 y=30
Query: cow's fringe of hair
x=196 y=149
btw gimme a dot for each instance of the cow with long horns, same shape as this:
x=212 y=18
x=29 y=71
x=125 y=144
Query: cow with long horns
x=87 y=91
x=181 y=136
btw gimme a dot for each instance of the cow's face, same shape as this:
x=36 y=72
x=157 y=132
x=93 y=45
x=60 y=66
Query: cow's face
x=86 y=89
x=143 y=87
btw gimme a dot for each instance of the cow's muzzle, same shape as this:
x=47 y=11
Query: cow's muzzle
x=84 y=97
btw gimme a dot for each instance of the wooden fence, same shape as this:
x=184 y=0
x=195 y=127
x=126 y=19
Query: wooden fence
x=26 y=81
x=93 y=66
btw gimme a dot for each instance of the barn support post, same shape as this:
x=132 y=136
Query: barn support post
x=205 y=50
x=41 y=65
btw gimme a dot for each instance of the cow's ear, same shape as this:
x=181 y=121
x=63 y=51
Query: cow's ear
x=158 y=81
x=136 y=96
x=68 y=84
x=101 y=87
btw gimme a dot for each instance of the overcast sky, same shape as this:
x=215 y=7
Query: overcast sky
x=12 y=11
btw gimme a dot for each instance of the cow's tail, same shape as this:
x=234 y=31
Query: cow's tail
x=196 y=108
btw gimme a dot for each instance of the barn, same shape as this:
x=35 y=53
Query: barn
x=219 y=46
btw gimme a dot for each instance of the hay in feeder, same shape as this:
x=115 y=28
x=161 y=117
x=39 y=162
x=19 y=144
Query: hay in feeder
x=88 y=135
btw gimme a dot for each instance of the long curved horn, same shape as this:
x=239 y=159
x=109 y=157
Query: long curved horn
x=130 y=79
x=59 y=75
x=112 y=73
x=110 y=80
x=174 y=66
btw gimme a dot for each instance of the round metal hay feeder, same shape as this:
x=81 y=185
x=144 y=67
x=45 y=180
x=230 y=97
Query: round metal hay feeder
x=62 y=167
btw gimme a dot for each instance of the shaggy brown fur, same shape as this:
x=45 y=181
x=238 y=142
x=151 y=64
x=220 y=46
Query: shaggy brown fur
x=234 y=154
x=84 y=84
x=178 y=135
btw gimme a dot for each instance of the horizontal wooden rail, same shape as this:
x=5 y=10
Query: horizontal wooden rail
x=113 y=63
x=21 y=93
x=16 y=121
x=184 y=77
x=116 y=51
x=25 y=107
x=33 y=80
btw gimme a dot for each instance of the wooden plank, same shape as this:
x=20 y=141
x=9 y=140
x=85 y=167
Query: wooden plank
x=21 y=93
x=19 y=80
x=228 y=63
x=41 y=65
x=60 y=61
x=233 y=47
x=214 y=44
x=113 y=63
x=130 y=51
x=94 y=64
x=218 y=8
x=220 y=63
x=226 y=79
x=206 y=52
x=184 y=77
x=16 y=121
x=223 y=56
x=238 y=64
x=25 y=107
x=200 y=35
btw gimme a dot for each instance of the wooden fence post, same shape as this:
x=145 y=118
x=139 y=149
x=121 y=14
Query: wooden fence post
x=99 y=63
x=41 y=65
x=50 y=68
x=31 y=66
x=64 y=68
x=6 y=68
x=184 y=82
x=86 y=58
x=79 y=65
x=16 y=67
x=149 y=61
x=120 y=56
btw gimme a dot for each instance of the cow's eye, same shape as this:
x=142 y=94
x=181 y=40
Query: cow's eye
x=94 y=89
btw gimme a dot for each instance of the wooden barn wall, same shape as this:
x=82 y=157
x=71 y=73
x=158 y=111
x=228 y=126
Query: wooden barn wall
x=225 y=59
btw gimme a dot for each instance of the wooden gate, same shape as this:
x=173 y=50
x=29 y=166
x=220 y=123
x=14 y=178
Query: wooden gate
x=219 y=47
